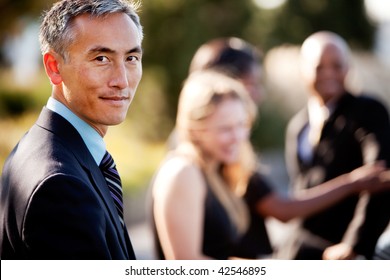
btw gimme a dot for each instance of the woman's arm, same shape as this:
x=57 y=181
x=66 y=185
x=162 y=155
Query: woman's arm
x=179 y=193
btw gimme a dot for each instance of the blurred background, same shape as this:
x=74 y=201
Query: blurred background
x=174 y=29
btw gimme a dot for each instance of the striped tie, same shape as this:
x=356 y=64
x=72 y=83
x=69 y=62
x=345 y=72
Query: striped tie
x=113 y=180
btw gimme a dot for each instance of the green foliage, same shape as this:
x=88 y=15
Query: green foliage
x=14 y=103
x=297 y=19
x=268 y=130
x=16 y=100
x=175 y=29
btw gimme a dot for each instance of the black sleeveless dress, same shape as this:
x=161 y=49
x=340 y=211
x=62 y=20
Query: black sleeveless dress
x=220 y=237
x=255 y=242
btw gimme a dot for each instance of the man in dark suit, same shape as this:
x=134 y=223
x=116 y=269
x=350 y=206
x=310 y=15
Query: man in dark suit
x=56 y=203
x=336 y=133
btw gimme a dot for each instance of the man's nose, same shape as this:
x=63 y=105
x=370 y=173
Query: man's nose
x=119 y=76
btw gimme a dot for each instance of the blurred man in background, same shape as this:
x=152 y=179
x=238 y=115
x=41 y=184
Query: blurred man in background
x=335 y=133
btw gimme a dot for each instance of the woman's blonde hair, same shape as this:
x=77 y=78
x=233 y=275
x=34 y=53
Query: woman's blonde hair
x=202 y=92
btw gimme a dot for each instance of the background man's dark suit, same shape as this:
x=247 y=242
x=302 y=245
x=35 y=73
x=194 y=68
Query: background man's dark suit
x=357 y=132
x=60 y=202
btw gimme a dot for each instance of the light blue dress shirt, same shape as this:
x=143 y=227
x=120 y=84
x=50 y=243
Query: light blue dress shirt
x=91 y=137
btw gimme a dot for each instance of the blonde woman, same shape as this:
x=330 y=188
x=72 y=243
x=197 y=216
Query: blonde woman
x=200 y=209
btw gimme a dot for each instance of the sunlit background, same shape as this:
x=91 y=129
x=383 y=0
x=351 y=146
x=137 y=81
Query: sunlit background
x=173 y=31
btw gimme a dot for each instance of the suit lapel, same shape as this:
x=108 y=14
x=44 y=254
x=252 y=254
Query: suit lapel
x=335 y=122
x=61 y=127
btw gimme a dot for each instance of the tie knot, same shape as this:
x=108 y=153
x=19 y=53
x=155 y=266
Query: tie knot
x=107 y=162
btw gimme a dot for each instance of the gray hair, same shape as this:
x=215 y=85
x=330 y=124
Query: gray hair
x=56 y=32
x=317 y=41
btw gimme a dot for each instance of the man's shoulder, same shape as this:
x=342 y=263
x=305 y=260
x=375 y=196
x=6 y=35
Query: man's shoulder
x=38 y=154
x=33 y=162
x=365 y=112
x=366 y=101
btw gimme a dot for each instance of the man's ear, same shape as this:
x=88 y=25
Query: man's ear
x=50 y=61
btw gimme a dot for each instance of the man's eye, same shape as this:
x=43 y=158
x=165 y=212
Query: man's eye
x=132 y=58
x=102 y=58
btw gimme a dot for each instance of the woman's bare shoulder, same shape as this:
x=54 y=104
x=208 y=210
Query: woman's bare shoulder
x=179 y=174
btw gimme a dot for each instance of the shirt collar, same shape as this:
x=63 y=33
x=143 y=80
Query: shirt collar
x=318 y=112
x=90 y=136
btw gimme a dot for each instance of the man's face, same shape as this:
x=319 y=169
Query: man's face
x=102 y=70
x=326 y=71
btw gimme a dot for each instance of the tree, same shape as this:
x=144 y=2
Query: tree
x=297 y=19
x=175 y=29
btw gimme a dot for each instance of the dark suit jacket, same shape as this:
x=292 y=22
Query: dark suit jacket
x=55 y=203
x=357 y=132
